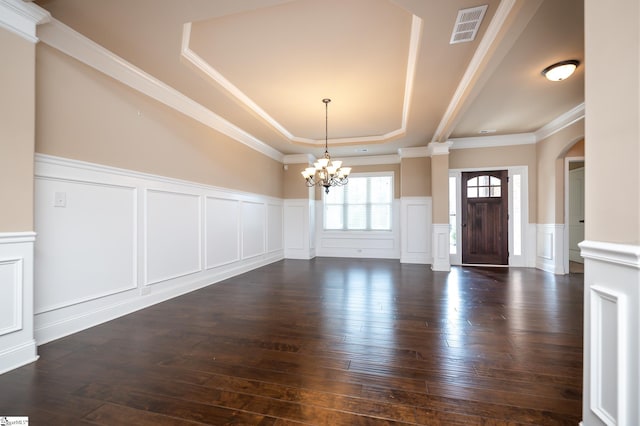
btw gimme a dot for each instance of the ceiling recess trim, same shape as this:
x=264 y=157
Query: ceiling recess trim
x=565 y=120
x=65 y=39
x=479 y=57
x=467 y=24
x=412 y=60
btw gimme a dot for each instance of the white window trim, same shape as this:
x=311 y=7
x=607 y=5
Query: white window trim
x=389 y=173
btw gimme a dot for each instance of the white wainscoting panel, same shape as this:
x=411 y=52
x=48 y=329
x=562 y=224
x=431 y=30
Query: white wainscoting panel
x=11 y=294
x=295 y=219
x=607 y=360
x=87 y=245
x=440 y=247
x=253 y=229
x=223 y=228
x=612 y=342
x=299 y=229
x=371 y=244
x=125 y=240
x=172 y=243
x=550 y=248
x=415 y=230
x=275 y=231
x=17 y=344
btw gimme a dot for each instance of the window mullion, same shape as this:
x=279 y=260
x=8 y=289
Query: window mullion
x=345 y=209
x=367 y=207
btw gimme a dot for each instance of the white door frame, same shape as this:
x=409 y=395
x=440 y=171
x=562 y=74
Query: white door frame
x=567 y=160
x=522 y=260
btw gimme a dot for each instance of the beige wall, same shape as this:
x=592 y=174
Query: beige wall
x=373 y=168
x=85 y=115
x=516 y=155
x=17 y=115
x=550 y=154
x=612 y=173
x=577 y=150
x=440 y=188
x=415 y=177
x=294 y=185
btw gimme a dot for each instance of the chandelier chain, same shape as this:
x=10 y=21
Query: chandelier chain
x=326 y=173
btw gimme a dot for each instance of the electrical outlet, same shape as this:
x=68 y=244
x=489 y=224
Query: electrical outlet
x=60 y=199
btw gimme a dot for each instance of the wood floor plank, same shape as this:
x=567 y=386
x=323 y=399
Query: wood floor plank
x=327 y=341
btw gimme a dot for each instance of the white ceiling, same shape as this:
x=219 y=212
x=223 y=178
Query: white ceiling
x=394 y=79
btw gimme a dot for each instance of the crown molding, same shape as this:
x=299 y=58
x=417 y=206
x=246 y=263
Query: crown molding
x=565 y=120
x=298 y=159
x=412 y=152
x=74 y=44
x=371 y=160
x=438 y=148
x=22 y=18
x=493 y=141
x=412 y=63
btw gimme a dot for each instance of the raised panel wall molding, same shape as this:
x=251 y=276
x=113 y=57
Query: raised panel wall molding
x=440 y=247
x=298 y=228
x=612 y=342
x=173 y=237
x=99 y=254
x=11 y=282
x=550 y=248
x=173 y=232
x=17 y=344
x=415 y=230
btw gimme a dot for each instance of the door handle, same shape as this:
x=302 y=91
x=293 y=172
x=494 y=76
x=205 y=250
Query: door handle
x=581 y=221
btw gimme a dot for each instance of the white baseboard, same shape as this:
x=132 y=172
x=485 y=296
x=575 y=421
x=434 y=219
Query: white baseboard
x=47 y=331
x=17 y=356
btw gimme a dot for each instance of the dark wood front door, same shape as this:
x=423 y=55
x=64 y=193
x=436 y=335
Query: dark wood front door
x=485 y=238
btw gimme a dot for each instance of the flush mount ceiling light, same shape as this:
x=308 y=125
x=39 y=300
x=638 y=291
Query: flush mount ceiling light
x=561 y=70
x=326 y=173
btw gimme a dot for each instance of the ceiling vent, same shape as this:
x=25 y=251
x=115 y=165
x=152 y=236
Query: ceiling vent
x=467 y=24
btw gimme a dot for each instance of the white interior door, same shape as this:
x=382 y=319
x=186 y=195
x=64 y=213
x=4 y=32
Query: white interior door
x=576 y=213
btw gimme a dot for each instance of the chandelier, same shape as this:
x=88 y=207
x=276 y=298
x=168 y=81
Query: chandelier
x=325 y=172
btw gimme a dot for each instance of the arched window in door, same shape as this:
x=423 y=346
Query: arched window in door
x=484 y=187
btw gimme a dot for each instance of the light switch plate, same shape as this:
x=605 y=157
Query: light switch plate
x=60 y=199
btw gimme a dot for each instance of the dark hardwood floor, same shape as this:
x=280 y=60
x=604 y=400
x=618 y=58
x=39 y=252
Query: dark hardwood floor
x=328 y=341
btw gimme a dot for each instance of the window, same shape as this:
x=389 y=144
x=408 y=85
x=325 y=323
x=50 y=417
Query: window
x=364 y=204
x=517 y=214
x=483 y=187
x=453 y=204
